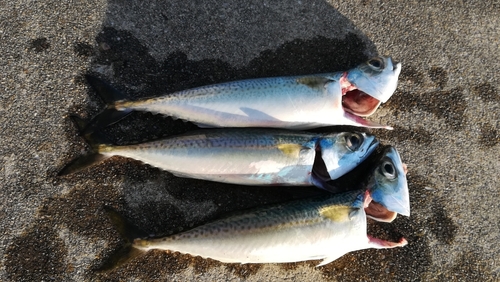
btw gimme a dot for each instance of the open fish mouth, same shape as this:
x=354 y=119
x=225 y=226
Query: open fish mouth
x=356 y=101
x=377 y=211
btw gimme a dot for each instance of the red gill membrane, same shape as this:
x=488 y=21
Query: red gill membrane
x=356 y=101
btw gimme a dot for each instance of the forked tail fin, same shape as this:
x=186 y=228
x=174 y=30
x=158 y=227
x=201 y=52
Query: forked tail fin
x=110 y=96
x=128 y=232
x=95 y=140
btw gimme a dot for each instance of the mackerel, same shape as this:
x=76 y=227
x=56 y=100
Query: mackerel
x=246 y=156
x=295 y=102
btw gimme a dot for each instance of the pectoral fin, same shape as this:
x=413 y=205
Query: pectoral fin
x=333 y=89
x=337 y=213
x=291 y=150
x=257 y=115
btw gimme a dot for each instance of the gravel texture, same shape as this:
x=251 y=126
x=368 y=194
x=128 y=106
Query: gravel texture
x=446 y=114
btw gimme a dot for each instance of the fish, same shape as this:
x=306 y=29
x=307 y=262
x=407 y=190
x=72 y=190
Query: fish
x=245 y=156
x=295 y=102
x=318 y=228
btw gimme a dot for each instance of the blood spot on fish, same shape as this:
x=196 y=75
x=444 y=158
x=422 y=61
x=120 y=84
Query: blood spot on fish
x=36 y=255
x=439 y=76
x=489 y=136
x=487 y=92
x=40 y=44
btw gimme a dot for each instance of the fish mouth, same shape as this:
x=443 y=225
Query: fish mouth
x=356 y=101
x=377 y=211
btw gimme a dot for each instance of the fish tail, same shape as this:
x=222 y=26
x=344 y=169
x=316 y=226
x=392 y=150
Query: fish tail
x=98 y=144
x=111 y=97
x=129 y=233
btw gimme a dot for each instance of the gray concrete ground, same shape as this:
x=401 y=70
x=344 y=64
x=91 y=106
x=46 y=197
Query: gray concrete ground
x=446 y=115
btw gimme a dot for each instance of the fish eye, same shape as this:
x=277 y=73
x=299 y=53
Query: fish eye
x=376 y=63
x=388 y=170
x=353 y=141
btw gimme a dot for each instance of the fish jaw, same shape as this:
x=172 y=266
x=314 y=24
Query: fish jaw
x=341 y=113
x=390 y=188
x=369 y=84
x=344 y=151
x=382 y=244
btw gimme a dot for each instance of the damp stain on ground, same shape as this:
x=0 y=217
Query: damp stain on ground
x=83 y=49
x=467 y=267
x=39 y=254
x=439 y=76
x=441 y=225
x=411 y=74
x=418 y=135
x=36 y=255
x=449 y=105
x=487 y=92
x=489 y=136
x=40 y=44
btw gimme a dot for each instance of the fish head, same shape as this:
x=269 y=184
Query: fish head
x=341 y=152
x=369 y=84
x=388 y=188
